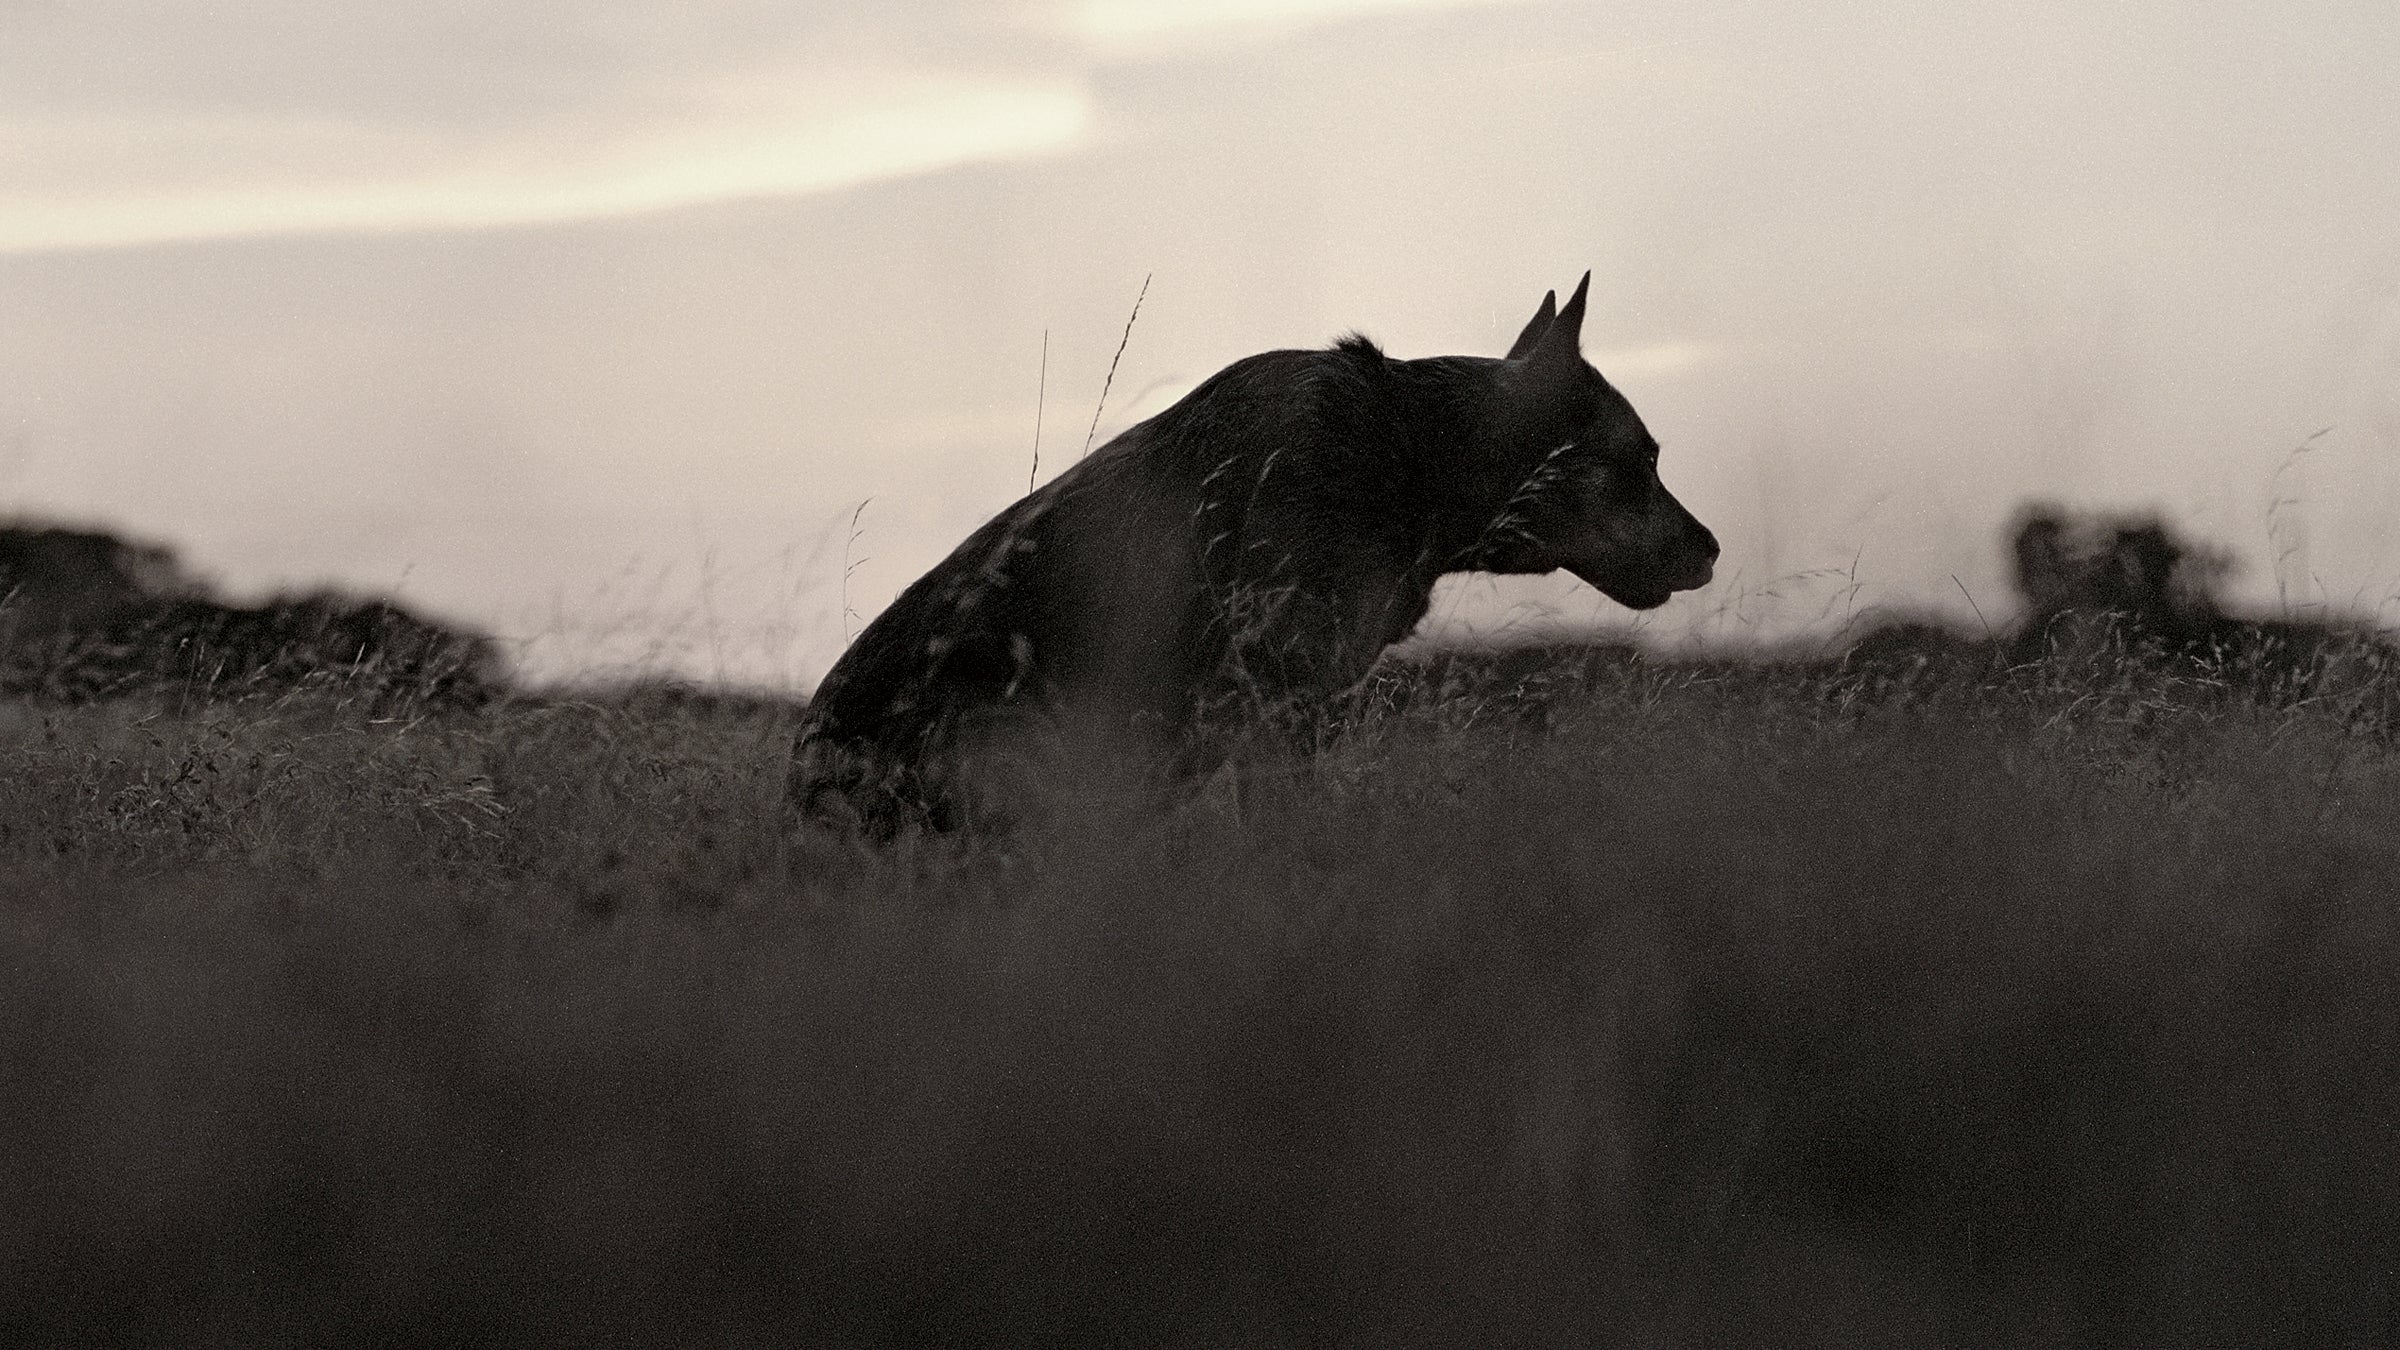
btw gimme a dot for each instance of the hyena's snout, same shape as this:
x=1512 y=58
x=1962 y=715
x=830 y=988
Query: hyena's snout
x=1643 y=561
x=1695 y=561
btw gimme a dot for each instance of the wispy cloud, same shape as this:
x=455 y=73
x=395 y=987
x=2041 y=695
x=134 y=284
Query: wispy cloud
x=1168 y=27
x=122 y=129
x=116 y=180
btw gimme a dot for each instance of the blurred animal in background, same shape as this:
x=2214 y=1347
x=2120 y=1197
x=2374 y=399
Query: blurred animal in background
x=2112 y=580
x=85 y=614
x=2106 y=596
x=1239 y=561
x=2105 y=588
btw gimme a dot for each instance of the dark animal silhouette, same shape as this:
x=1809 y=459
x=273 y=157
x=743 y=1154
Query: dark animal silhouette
x=2109 y=589
x=2132 y=577
x=2117 y=597
x=1243 y=556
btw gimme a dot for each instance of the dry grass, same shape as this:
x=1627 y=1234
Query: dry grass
x=1641 y=1005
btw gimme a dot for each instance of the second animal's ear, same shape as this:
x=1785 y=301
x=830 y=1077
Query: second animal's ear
x=1519 y=349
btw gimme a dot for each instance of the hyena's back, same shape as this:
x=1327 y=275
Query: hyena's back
x=1079 y=597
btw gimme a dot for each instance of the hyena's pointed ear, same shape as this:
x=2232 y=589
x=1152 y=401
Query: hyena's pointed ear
x=1518 y=350
x=1554 y=369
x=1562 y=341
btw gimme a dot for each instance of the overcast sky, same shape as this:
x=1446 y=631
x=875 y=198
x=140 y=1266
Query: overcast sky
x=595 y=323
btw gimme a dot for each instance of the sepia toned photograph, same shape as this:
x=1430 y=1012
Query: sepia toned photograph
x=1200 y=673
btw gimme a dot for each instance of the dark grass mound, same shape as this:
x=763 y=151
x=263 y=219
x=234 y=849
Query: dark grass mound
x=1714 y=1010
x=86 y=615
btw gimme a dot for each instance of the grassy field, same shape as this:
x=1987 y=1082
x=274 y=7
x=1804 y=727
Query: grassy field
x=1641 y=1005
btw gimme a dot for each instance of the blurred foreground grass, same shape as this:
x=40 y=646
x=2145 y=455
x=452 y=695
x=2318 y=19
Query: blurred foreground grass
x=1646 y=1005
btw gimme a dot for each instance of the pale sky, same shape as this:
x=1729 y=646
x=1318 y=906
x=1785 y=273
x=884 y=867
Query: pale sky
x=594 y=323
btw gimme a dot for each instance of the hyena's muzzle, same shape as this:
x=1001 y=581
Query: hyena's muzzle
x=1635 y=542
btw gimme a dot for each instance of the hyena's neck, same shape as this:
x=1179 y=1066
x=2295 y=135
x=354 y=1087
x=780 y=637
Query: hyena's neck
x=1451 y=410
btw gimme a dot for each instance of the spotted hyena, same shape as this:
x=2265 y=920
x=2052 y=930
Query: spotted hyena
x=1247 y=552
